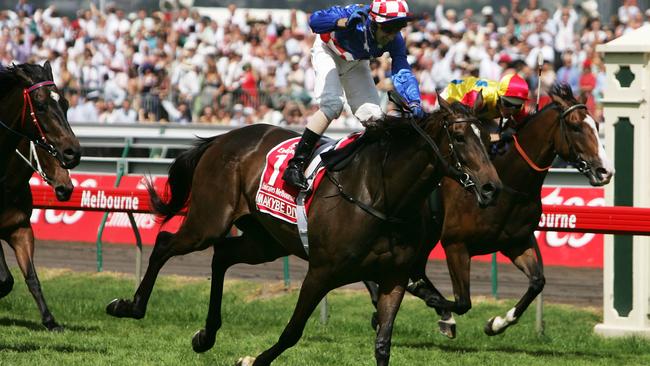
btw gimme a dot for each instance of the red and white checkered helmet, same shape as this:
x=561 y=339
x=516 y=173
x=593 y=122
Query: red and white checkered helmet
x=383 y=11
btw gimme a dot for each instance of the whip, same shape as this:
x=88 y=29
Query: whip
x=540 y=62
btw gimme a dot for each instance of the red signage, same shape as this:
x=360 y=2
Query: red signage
x=558 y=248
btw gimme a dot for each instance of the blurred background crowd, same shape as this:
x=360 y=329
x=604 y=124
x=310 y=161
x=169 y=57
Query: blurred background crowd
x=181 y=66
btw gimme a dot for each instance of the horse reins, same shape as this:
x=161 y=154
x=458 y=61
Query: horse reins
x=40 y=140
x=33 y=157
x=454 y=171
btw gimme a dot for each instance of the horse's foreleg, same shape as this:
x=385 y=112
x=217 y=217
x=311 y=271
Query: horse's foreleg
x=22 y=241
x=250 y=248
x=314 y=288
x=6 y=279
x=458 y=262
x=391 y=293
x=529 y=260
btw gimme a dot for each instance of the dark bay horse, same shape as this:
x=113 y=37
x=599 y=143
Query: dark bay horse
x=392 y=174
x=15 y=227
x=34 y=109
x=562 y=128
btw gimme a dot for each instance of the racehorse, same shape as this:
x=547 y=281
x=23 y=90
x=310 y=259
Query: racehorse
x=562 y=128
x=360 y=220
x=15 y=227
x=34 y=109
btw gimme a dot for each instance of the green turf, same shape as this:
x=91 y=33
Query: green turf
x=254 y=315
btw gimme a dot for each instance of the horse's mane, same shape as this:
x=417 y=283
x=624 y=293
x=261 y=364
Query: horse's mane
x=560 y=90
x=391 y=123
x=10 y=80
x=563 y=91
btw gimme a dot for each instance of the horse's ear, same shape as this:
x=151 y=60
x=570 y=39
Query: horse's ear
x=48 y=70
x=478 y=103
x=443 y=103
x=22 y=75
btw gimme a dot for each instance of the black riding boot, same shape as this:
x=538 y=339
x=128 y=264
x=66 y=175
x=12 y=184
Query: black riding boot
x=295 y=172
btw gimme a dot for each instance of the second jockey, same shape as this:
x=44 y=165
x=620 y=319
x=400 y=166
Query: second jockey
x=348 y=37
x=503 y=100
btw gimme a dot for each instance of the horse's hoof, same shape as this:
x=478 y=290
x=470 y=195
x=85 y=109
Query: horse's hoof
x=201 y=342
x=53 y=326
x=447 y=329
x=245 y=361
x=489 y=328
x=121 y=308
x=374 y=321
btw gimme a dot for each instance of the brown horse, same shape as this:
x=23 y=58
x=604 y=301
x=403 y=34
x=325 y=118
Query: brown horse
x=391 y=177
x=34 y=109
x=562 y=128
x=15 y=227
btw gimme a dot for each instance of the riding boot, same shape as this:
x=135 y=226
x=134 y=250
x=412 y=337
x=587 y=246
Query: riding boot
x=295 y=172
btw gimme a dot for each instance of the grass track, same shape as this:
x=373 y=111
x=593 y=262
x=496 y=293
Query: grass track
x=254 y=314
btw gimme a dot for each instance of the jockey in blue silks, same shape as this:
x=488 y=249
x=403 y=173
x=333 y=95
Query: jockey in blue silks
x=347 y=38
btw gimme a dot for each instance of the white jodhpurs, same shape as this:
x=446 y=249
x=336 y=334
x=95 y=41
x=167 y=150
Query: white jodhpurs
x=338 y=80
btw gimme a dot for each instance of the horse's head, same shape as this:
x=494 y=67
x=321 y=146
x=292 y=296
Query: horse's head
x=465 y=154
x=578 y=141
x=39 y=111
x=55 y=175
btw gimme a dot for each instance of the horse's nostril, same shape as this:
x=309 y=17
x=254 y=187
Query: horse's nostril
x=71 y=154
x=601 y=172
x=489 y=187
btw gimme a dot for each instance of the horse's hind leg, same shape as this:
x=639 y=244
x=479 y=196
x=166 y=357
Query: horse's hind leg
x=6 y=279
x=22 y=241
x=314 y=288
x=253 y=247
x=529 y=260
x=201 y=229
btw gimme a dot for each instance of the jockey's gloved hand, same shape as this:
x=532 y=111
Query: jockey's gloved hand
x=356 y=19
x=506 y=135
x=416 y=110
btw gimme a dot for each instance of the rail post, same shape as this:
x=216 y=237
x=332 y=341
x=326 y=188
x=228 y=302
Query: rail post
x=626 y=276
x=121 y=170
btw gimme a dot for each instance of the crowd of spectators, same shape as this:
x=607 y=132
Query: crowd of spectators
x=181 y=67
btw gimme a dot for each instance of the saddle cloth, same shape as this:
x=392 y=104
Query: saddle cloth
x=277 y=198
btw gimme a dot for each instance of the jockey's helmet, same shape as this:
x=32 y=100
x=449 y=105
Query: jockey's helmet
x=513 y=90
x=389 y=11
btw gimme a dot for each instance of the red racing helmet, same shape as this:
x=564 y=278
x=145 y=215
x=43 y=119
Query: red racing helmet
x=514 y=89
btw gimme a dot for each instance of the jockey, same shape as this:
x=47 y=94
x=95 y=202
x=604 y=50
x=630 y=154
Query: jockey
x=503 y=100
x=347 y=38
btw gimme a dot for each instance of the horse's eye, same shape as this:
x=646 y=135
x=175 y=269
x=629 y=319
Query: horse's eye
x=459 y=138
x=575 y=127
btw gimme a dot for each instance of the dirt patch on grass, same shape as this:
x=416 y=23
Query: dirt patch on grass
x=268 y=291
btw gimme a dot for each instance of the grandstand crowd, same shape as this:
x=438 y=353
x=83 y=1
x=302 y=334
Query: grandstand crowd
x=181 y=67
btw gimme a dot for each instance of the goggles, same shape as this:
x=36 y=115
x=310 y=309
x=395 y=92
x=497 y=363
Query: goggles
x=392 y=27
x=507 y=105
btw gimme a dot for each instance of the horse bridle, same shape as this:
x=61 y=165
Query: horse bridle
x=581 y=164
x=456 y=170
x=39 y=140
x=35 y=163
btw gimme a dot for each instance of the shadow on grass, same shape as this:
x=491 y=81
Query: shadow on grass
x=31 y=325
x=512 y=350
x=29 y=347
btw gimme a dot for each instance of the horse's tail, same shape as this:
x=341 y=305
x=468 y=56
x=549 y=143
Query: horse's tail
x=179 y=182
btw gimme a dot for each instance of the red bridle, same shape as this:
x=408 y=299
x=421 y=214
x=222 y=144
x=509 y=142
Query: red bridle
x=27 y=100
